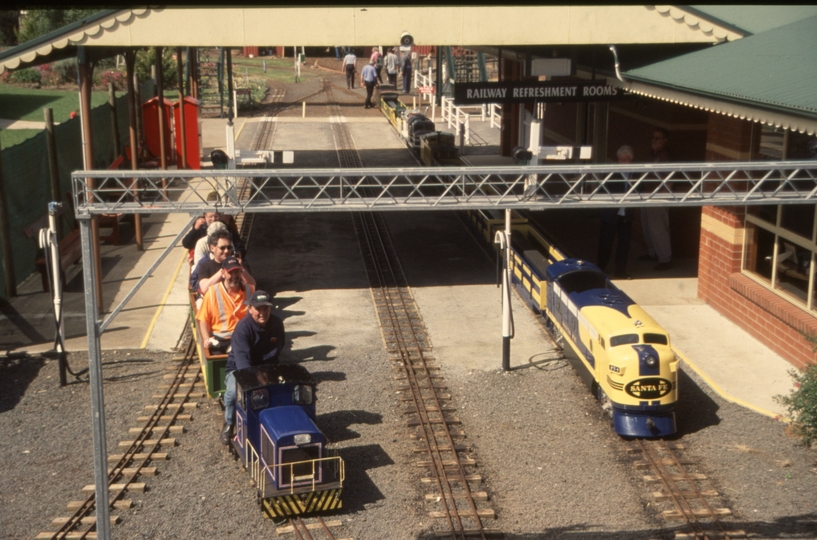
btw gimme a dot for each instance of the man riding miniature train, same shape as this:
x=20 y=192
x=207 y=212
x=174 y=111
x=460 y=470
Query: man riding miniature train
x=224 y=305
x=257 y=339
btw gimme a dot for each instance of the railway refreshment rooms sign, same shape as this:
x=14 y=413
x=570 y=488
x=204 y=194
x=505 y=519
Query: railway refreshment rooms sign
x=535 y=91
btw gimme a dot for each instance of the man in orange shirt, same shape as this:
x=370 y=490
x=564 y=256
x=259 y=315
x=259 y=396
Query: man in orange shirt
x=223 y=306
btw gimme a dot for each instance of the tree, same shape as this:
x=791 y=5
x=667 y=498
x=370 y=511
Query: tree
x=38 y=22
x=9 y=22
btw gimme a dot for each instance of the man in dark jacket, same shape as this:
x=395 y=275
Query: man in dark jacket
x=257 y=339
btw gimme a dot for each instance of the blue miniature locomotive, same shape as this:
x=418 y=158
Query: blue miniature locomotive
x=280 y=444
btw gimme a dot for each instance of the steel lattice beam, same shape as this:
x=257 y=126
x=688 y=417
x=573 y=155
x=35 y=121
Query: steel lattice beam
x=450 y=188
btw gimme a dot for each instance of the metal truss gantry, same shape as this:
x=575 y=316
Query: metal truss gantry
x=449 y=188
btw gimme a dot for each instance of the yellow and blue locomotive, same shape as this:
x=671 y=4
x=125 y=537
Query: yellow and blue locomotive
x=280 y=444
x=620 y=351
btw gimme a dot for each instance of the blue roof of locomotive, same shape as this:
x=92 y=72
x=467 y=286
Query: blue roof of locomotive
x=609 y=298
x=594 y=290
x=282 y=423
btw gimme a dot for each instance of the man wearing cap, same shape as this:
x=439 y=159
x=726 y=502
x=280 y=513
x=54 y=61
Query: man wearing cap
x=208 y=271
x=257 y=339
x=223 y=306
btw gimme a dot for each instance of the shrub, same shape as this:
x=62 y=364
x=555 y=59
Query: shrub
x=118 y=78
x=25 y=76
x=802 y=403
x=144 y=59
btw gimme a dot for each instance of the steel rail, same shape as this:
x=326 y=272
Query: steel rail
x=117 y=471
x=387 y=276
x=446 y=188
x=654 y=452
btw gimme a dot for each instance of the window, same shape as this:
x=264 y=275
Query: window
x=302 y=394
x=626 y=339
x=657 y=339
x=780 y=246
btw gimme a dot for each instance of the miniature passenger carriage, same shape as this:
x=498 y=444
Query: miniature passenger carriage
x=280 y=444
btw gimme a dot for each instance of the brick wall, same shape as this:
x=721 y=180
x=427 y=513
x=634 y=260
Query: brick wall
x=771 y=319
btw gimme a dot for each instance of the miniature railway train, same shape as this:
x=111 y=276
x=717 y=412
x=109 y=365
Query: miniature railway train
x=276 y=436
x=433 y=147
x=621 y=353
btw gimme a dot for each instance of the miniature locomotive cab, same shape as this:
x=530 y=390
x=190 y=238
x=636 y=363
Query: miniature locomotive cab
x=623 y=355
x=280 y=444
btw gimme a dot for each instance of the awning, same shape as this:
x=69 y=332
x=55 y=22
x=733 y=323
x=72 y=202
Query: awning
x=63 y=43
x=777 y=119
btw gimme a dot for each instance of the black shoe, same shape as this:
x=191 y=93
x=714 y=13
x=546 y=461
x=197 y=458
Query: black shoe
x=648 y=258
x=660 y=267
x=226 y=433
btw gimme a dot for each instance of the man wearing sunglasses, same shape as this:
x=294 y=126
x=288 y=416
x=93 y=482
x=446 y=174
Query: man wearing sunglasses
x=208 y=271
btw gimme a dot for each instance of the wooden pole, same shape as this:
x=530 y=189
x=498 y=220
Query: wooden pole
x=194 y=71
x=161 y=102
x=53 y=169
x=117 y=147
x=85 y=83
x=181 y=127
x=130 y=58
x=5 y=237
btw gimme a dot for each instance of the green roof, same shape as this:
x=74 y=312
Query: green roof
x=775 y=69
x=754 y=19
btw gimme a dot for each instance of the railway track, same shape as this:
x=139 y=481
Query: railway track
x=436 y=433
x=313 y=529
x=680 y=488
x=152 y=436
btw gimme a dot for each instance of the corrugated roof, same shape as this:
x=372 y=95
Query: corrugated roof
x=775 y=70
x=754 y=19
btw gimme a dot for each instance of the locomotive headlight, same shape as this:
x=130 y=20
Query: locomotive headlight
x=651 y=361
x=303 y=438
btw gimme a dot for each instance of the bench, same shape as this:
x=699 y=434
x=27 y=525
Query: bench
x=70 y=248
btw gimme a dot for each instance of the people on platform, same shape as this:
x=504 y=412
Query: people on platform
x=405 y=69
x=258 y=339
x=348 y=64
x=223 y=306
x=368 y=78
x=655 y=220
x=208 y=271
x=391 y=64
x=616 y=223
x=377 y=58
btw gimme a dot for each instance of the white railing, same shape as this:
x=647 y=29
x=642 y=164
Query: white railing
x=457 y=117
x=494 y=113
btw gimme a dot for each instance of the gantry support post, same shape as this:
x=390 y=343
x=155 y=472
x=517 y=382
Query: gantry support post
x=103 y=526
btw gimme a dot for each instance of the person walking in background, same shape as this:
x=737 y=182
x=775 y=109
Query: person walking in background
x=391 y=64
x=617 y=223
x=368 y=77
x=655 y=221
x=406 y=71
x=348 y=65
x=377 y=59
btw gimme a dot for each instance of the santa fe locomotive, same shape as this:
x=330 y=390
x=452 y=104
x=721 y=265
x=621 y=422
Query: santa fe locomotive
x=619 y=351
x=280 y=444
